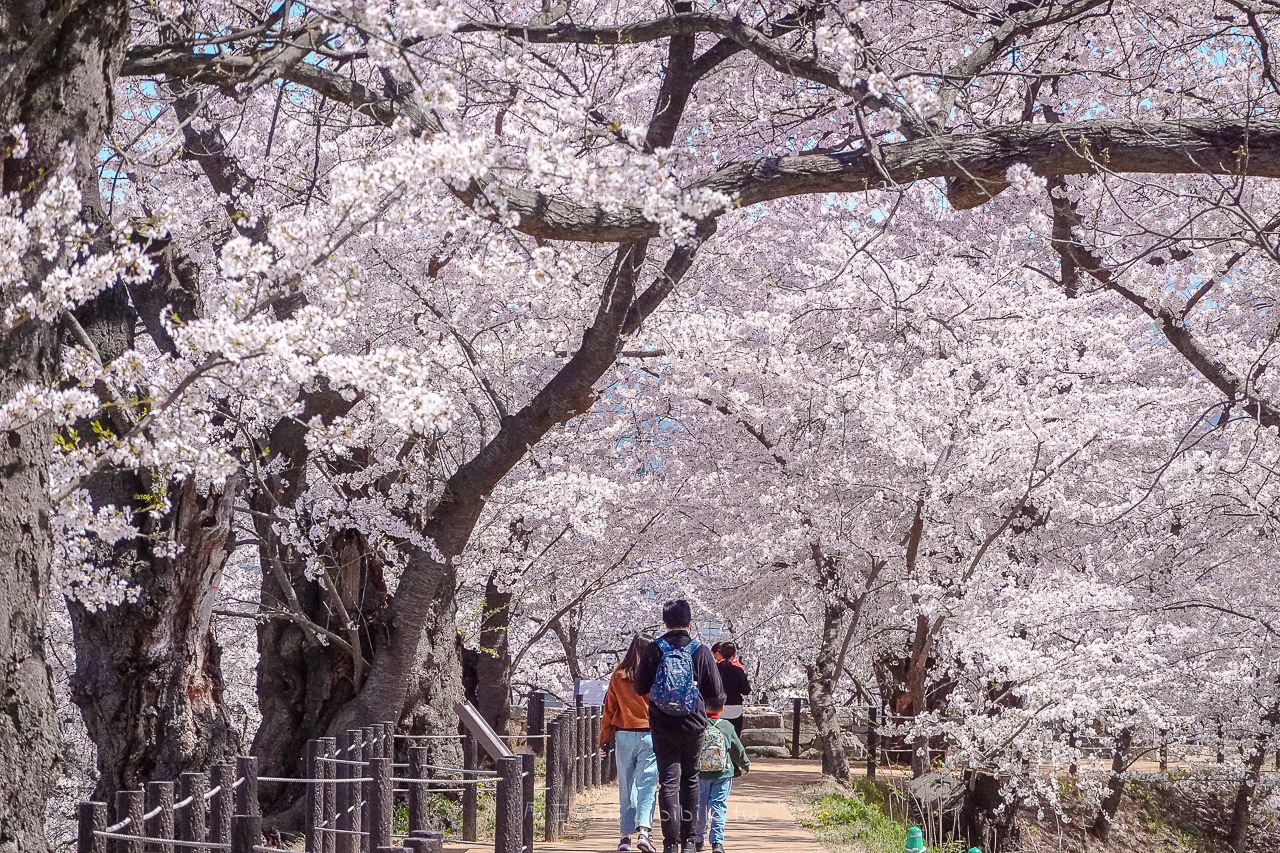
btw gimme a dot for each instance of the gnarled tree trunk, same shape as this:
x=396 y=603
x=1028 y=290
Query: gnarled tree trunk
x=148 y=679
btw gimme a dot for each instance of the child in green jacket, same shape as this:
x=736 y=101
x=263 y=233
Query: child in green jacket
x=723 y=759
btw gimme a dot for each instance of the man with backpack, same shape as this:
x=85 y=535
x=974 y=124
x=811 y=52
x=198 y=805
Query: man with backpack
x=679 y=676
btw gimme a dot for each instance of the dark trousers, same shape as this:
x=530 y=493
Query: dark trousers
x=736 y=722
x=678 y=754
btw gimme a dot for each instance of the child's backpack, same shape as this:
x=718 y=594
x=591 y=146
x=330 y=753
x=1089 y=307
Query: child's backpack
x=715 y=751
x=675 y=688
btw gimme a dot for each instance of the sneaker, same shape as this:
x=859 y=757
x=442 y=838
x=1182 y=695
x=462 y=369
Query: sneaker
x=689 y=847
x=671 y=848
x=625 y=844
x=717 y=848
x=699 y=846
x=643 y=842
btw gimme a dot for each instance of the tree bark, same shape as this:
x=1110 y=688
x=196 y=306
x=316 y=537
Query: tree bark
x=567 y=634
x=1110 y=804
x=60 y=63
x=493 y=670
x=823 y=677
x=148 y=680
x=1242 y=808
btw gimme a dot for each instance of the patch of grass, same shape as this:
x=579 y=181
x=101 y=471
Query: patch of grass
x=856 y=819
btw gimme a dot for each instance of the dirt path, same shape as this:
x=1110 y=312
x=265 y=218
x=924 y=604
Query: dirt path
x=759 y=820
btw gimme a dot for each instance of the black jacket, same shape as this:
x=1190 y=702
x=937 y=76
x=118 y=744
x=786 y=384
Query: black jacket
x=735 y=682
x=704 y=669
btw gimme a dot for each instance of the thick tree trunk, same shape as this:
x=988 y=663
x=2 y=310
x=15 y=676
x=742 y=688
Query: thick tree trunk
x=493 y=666
x=303 y=680
x=148 y=680
x=60 y=61
x=987 y=820
x=28 y=712
x=823 y=677
x=1110 y=804
x=1242 y=808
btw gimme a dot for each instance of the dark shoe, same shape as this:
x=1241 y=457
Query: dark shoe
x=699 y=846
x=671 y=848
x=643 y=842
x=624 y=846
x=689 y=847
x=717 y=848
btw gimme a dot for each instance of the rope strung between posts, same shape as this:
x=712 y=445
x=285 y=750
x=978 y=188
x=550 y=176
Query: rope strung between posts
x=456 y=770
x=337 y=781
x=205 y=845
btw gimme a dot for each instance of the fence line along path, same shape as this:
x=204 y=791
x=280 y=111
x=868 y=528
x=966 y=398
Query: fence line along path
x=760 y=818
x=352 y=785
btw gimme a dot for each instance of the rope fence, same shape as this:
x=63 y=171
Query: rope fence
x=352 y=784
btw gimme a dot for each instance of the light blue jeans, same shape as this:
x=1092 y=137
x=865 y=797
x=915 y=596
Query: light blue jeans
x=637 y=780
x=713 y=802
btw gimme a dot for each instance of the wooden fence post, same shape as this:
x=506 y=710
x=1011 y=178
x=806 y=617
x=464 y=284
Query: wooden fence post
x=160 y=800
x=348 y=793
x=873 y=740
x=795 y=726
x=1164 y=750
x=536 y=721
x=315 y=797
x=129 y=804
x=508 y=822
x=418 y=761
x=555 y=781
x=91 y=818
x=371 y=750
x=380 y=802
x=579 y=738
x=247 y=792
x=469 y=792
x=222 y=805
x=594 y=747
x=329 y=749
x=527 y=799
x=190 y=820
x=246 y=832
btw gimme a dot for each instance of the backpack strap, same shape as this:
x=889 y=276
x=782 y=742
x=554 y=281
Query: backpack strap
x=665 y=646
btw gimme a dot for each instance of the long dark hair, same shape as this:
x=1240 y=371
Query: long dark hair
x=635 y=652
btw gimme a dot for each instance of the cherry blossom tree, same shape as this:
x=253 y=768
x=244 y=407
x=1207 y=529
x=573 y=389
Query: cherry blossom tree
x=351 y=265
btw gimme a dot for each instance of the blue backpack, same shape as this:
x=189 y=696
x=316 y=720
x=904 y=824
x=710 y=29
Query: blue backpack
x=675 y=688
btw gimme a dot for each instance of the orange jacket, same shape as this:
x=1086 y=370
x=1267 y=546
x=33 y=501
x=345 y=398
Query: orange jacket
x=623 y=708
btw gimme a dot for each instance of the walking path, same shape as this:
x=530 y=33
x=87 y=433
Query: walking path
x=759 y=820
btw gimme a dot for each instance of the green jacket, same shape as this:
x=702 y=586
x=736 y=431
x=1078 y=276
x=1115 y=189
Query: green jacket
x=737 y=754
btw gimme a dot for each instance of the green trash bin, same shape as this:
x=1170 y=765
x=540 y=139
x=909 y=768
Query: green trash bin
x=915 y=841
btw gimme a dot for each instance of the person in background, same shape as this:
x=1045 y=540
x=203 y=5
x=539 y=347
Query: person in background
x=723 y=759
x=734 y=679
x=626 y=722
x=679 y=676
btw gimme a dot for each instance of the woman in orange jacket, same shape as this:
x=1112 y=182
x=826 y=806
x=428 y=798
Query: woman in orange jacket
x=626 y=721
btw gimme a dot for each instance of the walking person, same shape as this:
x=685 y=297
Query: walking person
x=626 y=722
x=734 y=678
x=679 y=676
x=723 y=759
